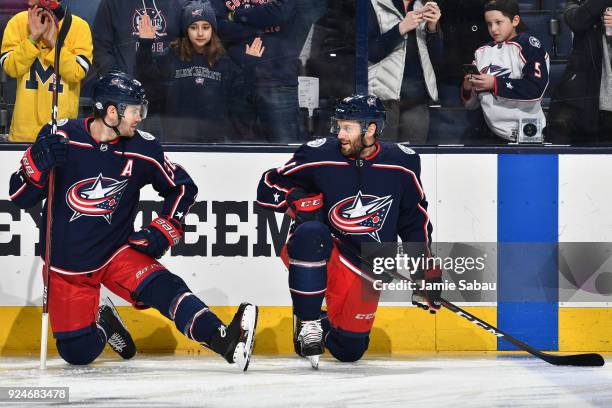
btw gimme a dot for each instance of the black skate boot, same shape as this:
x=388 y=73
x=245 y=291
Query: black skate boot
x=117 y=335
x=308 y=339
x=235 y=342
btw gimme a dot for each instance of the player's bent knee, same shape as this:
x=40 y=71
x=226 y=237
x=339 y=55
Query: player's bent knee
x=311 y=241
x=344 y=348
x=81 y=350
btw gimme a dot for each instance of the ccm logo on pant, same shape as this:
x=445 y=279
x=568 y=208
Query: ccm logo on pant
x=369 y=316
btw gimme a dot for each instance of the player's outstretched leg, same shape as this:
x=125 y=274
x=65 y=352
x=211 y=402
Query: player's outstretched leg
x=117 y=335
x=169 y=294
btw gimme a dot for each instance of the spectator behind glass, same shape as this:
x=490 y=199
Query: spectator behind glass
x=115 y=34
x=204 y=80
x=272 y=108
x=307 y=13
x=513 y=73
x=404 y=41
x=28 y=54
x=581 y=110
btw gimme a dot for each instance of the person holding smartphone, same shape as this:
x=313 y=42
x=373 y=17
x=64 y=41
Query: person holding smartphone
x=405 y=45
x=28 y=54
x=510 y=74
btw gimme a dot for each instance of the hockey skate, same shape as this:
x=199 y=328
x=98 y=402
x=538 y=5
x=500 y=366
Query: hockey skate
x=235 y=342
x=117 y=335
x=308 y=339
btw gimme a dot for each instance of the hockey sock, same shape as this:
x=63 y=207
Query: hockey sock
x=346 y=347
x=308 y=250
x=83 y=349
x=169 y=294
x=193 y=318
x=307 y=285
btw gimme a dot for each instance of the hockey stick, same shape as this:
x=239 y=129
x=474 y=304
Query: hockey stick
x=588 y=360
x=59 y=43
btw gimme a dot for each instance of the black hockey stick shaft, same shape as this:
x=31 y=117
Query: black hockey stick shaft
x=59 y=43
x=588 y=359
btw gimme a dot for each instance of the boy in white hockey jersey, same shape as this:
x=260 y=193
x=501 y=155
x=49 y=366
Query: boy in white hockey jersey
x=513 y=73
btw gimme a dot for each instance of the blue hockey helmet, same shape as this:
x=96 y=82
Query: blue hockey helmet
x=365 y=109
x=120 y=90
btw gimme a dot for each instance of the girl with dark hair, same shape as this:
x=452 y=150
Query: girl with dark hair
x=204 y=80
x=513 y=73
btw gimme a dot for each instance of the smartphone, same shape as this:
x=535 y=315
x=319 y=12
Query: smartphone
x=470 y=69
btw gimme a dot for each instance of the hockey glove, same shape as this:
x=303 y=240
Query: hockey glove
x=48 y=151
x=304 y=206
x=429 y=297
x=158 y=237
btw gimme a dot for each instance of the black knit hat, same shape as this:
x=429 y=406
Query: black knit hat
x=197 y=10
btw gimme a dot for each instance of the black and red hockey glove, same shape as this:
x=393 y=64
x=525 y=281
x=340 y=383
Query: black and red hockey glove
x=429 y=297
x=48 y=151
x=304 y=206
x=158 y=237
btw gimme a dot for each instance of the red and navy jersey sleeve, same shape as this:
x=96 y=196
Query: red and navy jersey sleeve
x=535 y=72
x=28 y=185
x=297 y=172
x=413 y=223
x=172 y=183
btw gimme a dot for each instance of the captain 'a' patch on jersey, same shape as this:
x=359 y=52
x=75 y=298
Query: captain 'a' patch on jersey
x=361 y=214
x=95 y=197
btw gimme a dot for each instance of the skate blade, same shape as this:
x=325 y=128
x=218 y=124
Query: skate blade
x=314 y=361
x=244 y=349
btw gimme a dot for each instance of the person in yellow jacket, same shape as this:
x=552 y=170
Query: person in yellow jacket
x=28 y=53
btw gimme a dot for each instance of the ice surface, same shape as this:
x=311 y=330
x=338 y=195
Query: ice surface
x=428 y=380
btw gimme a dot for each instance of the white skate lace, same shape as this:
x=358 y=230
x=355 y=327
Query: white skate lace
x=117 y=342
x=311 y=332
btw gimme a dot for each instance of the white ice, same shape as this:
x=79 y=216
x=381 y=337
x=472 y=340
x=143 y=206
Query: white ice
x=426 y=380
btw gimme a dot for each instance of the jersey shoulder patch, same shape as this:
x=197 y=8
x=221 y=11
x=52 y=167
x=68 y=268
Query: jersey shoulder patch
x=146 y=135
x=317 y=142
x=405 y=149
x=534 y=42
x=60 y=122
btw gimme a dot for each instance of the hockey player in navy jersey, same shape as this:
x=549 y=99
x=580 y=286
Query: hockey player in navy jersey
x=343 y=192
x=513 y=73
x=101 y=163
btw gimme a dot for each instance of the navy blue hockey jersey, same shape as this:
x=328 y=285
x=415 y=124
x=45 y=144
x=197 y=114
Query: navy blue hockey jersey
x=373 y=200
x=97 y=193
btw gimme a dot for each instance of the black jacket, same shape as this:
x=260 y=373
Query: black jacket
x=115 y=37
x=581 y=82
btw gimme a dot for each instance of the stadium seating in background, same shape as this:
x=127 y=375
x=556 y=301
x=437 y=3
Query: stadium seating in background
x=564 y=39
x=553 y=5
x=557 y=67
x=84 y=9
x=537 y=25
x=529 y=5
